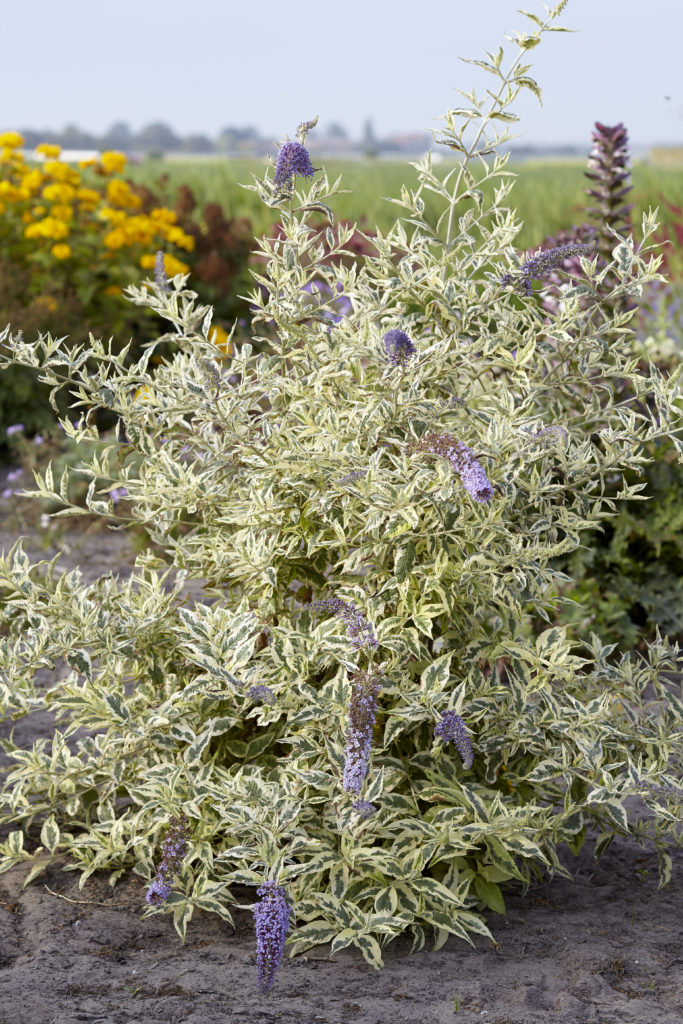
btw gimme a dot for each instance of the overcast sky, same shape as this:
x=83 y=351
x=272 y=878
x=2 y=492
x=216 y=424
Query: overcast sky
x=200 y=65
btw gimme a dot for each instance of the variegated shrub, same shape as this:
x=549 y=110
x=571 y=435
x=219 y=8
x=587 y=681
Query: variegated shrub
x=358 y=718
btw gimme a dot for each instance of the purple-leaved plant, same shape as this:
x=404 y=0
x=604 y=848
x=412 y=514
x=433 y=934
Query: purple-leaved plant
x=362 y=712
x=462 y=461
x=172 y=856
x=451 y=729
x=271 y=917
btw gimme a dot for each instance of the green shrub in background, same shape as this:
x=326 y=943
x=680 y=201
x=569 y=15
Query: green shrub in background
x=356 y=722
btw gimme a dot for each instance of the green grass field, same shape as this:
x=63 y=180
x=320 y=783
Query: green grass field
x=547 y=196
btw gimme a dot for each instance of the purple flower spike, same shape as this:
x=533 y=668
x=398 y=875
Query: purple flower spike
x=172 y=856
x=462 y=461
x=357 y=626
x=271 y=917
x=160 y=272
x=398 y=347
x=292 y=159
x=543 y=262
x=362 y=712
x=451 y=729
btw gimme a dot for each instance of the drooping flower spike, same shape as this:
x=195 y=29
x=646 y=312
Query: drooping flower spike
x=271 y=917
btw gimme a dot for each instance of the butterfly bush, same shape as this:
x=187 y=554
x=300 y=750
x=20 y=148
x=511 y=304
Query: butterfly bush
x=350 y=526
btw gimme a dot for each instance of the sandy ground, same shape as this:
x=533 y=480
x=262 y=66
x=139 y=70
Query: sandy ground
x=603 y=949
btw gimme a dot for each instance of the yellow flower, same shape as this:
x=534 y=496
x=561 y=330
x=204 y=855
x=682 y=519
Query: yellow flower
x=176 y=236
x=2 y=208
x=219 y=336
x=47 y=228
x=12 y=140
x=120 y=192
x=59 y=192
x=115 y=239
x=115 y=216
x=47 y=301
x=62 y=212
x=88 y=195
x=27 y=216
x=142 y=392
x=113 y=289
x=163 y=215
x=9 y=192
x=38 y=211
x=62 y=172
x=49 y=150
x=148 y=261
x=32 y=179
x=112 y=161
x=174 y=266
x=61 y=251
x=90 y=162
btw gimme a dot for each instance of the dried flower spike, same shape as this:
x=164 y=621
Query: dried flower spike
x=172 y=856
x=271 y=917
x=451 y=728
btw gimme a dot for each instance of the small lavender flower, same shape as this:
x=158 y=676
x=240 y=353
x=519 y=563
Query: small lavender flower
x=117 y=493
x=364 y=808
x=355 y=474
x=14 y=474
x=160 y=272
x=462 y=460
x=14 y=429
x=292 y=159
x=357 y=626
x=362 y=712
x=271 y=917
x=662 y=790
x=544 y=261
x=38 y=439
x=172 y=856
x=451 y=728
x=262 y=693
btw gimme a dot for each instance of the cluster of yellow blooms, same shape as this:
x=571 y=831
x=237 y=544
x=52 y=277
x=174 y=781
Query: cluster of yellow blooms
x=53 y=204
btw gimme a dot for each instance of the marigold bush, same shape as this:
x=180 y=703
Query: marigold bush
x=73 y=238
x=356 y=722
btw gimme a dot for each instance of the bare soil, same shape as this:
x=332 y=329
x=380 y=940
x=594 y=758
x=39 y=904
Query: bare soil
x=603 y=949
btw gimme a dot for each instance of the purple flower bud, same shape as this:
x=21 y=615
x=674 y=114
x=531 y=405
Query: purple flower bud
x=14 y=474
x=364 y=809
x=271 y=917
x=38 y=439
x=172 y=855
x=262 y=693
x=117 y=493
x=362 y=712
x=398 y=347
x=292 y=159
x=451 y=728
x=14 y=429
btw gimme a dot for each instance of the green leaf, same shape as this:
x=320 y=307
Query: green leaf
x=181 y=917
x=370 y=949
x=49 y=834
x=404 y=560
x=489 y=893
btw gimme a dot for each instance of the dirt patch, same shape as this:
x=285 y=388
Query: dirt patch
x=603 y=949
